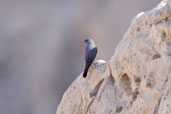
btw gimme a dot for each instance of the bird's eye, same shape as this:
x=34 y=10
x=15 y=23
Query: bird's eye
x=85 y=40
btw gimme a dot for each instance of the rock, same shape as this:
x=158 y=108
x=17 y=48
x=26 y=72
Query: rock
x=169 y=2
x=79 y=96
x=137 y=79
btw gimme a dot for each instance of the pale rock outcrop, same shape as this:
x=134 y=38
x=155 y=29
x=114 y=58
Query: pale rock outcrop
x=137 y=79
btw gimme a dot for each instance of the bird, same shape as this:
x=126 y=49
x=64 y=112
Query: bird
x=90 y=54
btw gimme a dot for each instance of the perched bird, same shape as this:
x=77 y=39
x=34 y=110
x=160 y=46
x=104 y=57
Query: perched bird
x=90 y=54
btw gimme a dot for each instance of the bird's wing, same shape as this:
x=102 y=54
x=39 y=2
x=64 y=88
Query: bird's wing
x=91 y=54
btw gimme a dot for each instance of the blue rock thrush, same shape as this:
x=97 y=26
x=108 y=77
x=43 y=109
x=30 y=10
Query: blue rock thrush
x=90 y=54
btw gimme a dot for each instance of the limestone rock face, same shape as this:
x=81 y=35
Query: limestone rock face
x=137 y=79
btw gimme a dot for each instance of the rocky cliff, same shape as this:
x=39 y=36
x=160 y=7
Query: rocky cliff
x=137 y=79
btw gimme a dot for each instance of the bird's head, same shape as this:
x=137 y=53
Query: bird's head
x=88 y=41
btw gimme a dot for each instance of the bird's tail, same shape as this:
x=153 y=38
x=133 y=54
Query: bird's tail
x=85 y=73
x=86 y=69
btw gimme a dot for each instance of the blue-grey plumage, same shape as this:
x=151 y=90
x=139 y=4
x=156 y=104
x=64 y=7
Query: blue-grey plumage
x=90 y=54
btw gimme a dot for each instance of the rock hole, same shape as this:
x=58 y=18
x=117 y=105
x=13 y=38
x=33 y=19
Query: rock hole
x=148 y=84
x=167 y=105
x=145 y=76
x=126 y=84
x=130 y=104
x=96 y=89
x=169 y=43
x=118 y=109
x=137 y=80
x=169 y=53
x=156 y=56
x=135 y=93
x=138 y=29
x=163 y=33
